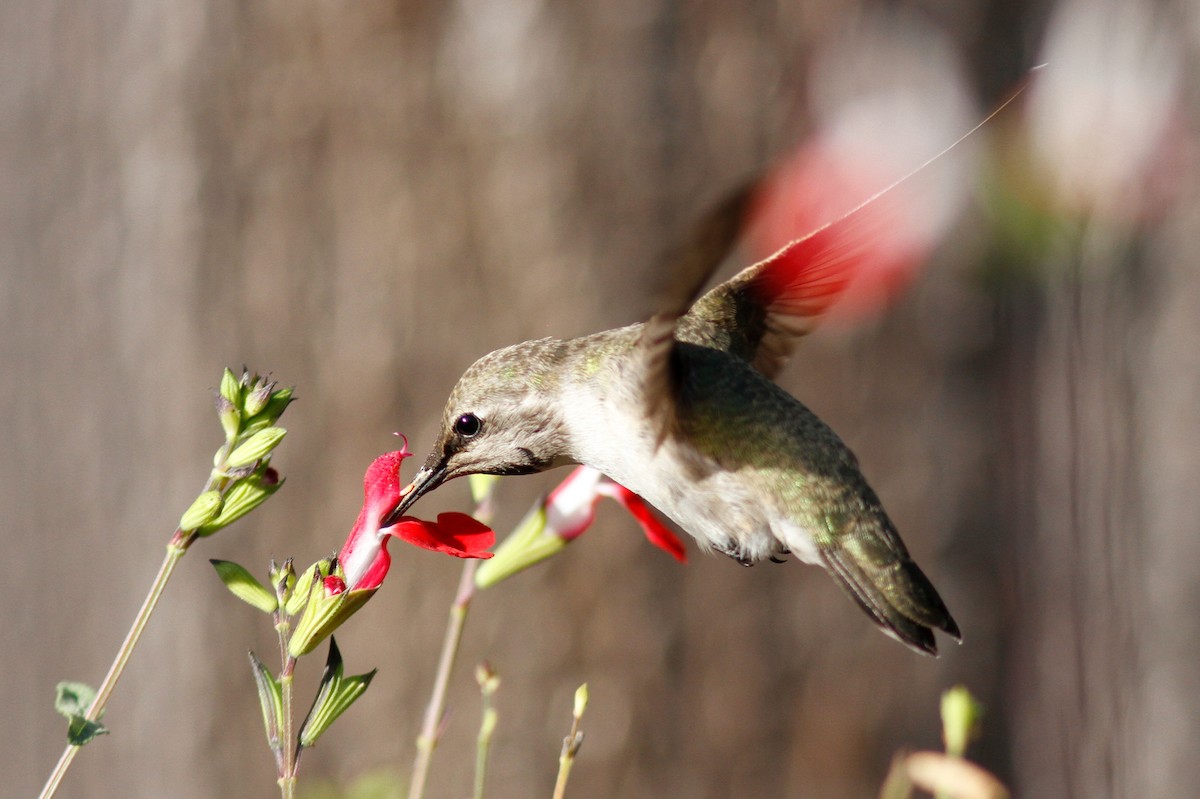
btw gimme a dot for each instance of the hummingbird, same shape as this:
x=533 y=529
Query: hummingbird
x=683 y=410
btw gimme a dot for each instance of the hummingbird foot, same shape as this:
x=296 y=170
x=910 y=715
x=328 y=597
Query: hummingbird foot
x=732 y=550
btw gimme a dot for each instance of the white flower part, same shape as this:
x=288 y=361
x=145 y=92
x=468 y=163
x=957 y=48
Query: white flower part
x=364 y=550
x=570 y=508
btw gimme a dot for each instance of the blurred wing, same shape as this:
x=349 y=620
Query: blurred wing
x=688 y=267
x=760 y=313
x=873 y=250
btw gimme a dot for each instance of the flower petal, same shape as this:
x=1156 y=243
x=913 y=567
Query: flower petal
x=455 y=534
x=571 y=507
x=656 y=532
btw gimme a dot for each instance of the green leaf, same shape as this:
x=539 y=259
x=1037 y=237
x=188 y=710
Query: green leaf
x=255 y=447
x=335 y=696
x=242 y=585
x=270 y=698
x=81 y=731
x=72 y=699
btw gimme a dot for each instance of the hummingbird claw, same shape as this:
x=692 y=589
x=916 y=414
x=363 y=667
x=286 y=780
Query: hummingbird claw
x=777 y=559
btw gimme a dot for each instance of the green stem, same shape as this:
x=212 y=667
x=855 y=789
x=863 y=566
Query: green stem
x=427 y=740
x=287 y=779
x=571 y=744
x=487 y=726
x=175 y=550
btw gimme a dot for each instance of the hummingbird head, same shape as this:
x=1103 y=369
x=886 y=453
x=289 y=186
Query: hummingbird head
x=501 y=418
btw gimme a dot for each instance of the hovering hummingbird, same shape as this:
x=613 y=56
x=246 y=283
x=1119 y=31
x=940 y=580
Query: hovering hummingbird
x=682 y=410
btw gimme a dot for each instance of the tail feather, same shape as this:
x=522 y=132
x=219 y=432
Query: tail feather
x=896 y=595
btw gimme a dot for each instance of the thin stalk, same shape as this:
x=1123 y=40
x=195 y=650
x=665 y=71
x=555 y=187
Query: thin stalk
x=571 y=743
x=287 y=779
x=175 y=551
x=488 y=683
x=567 y=759
x=427 y=740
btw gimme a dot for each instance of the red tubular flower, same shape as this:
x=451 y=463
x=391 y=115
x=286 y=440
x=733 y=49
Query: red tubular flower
x=364 y=557
x=562 y=517
x=571 y=509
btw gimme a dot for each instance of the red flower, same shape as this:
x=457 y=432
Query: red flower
x=364 y=557
x=571 y=509
x=562 y=517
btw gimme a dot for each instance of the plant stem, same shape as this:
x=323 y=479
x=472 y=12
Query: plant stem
x=571 y=743
x=175 y=551
x=427 y=740
x=287 y=778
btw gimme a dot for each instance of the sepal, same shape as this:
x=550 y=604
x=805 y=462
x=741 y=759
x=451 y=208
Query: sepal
x=336 y=694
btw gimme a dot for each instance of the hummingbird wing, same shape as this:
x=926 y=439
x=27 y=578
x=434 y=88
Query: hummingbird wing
x=688 y=267
x=761 y=312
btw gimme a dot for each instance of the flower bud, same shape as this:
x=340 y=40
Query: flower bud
x=270 y=413
x=581 y=700
x=256 y=447
x=231 y=420
x=257 y=399
x=245 y=495
x=202 y=510
x=960 y=719
x=231 y=389
x=530 y=543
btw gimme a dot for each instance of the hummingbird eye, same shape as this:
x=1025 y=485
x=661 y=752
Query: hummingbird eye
x=468 y=425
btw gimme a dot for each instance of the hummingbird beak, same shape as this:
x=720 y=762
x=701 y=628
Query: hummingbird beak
x=425 y=481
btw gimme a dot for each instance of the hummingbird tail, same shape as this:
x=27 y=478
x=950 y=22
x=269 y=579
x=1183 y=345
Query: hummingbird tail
x=896 y=594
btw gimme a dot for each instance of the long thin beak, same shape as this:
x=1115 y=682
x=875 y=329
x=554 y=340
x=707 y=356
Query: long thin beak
x=425 y=481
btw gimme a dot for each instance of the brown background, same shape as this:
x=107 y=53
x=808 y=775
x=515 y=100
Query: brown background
x=362 y=198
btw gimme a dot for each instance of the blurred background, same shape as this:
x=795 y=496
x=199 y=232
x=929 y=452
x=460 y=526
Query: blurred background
x=362 y=198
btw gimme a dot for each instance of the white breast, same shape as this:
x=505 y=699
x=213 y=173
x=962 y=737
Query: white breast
x=714 y=506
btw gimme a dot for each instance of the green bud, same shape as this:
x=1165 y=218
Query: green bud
x=231 y=389
x=961 y=715
x=270 y=699
x=489 y=680
x=257 y=399
x=202 y=510
x=334 y=697
x=231 y=420
x=271 y=412
x=256 y=447
x=245 y=495
x=526 y=546
x=304 y=583
x=581 y=700
x=243 y=585
x=283 y=579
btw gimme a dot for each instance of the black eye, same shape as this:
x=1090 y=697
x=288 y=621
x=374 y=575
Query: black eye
x=467 y=425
